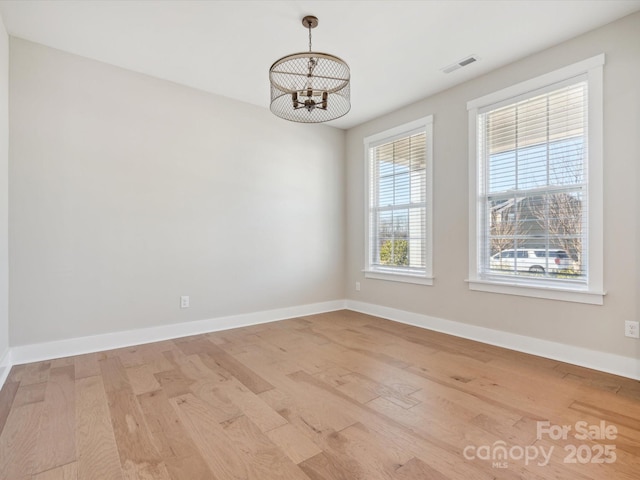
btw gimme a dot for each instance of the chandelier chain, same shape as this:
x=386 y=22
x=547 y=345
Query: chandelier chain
x=309 y=25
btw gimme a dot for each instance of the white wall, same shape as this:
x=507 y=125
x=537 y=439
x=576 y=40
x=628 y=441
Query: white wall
x=591 y=327
x=4 y=196
x=128 y=191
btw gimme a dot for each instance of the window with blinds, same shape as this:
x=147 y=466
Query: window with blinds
x=398 y=235
x=533 y=164
x=536 y=186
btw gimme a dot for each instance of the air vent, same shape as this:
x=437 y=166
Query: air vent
x=461 y=63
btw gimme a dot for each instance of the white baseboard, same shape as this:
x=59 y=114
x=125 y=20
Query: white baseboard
x=5 y=366
x=605 y=362
x=107 y=341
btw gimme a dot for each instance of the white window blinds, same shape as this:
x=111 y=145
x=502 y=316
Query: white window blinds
x=533 y=182
x=397 y=210
x=398 y=219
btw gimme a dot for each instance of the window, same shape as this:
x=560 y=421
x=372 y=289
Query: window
x=536 y=187
x=398 y=226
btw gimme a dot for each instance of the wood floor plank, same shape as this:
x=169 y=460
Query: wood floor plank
x=605 y=414
x=180 y=454
x=380 y=372
x=135 y=444
x=189 y=467
x=196 y=344
x=30 y=394
x=63 y=362
x=214 y=445
x=220 y=405
x=399 y=433
x=16 y=373
x=397 y=393
x=136 y=448
x=146 y=471
x=87 y=365
x=18 y=442
x=374 y=457
x=293 y=443
x=338 y=395
x=304 y=404
x=114 y=375
x=259 y=412
x=194 y=368
x=343 y=380
x=65 y=472
x=7 y=398
x=455 y=400
x=155 y=357
x=522 y=432
x=173 y=382
x=36 y=372
x=142 y=379
x=312 y=361
x=57 y=432
x=128 y=356
x=415 y=469
x=324 y=467
x=438 y=341
x=262 y=457
x=425 y=424
x=96 y=446
x=480 y=391
x=241 y=372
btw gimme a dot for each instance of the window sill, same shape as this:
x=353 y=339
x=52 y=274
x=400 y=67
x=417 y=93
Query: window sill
x=538 y=291
x=398 y=277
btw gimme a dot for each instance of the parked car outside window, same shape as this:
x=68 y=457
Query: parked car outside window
x=534 y=260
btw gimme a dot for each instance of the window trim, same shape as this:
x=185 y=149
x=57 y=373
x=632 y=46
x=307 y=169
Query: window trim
x=424 y=124
x=593 y=292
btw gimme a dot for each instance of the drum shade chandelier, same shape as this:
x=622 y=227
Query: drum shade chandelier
x=310 y=87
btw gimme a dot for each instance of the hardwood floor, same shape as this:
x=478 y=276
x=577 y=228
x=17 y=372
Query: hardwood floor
x=338 y=396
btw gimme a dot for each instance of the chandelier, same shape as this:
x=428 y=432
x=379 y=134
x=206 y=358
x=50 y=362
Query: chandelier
x=310 y=87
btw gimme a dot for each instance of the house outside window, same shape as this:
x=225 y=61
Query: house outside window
x=399 y=206
x=536 y=187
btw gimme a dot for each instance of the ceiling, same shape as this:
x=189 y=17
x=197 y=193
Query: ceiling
x=396 y=49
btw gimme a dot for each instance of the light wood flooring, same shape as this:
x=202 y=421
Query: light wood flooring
x=338 y=396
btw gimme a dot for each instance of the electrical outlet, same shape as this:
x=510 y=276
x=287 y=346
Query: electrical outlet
x=632 y=329
x=357 y=286
x=184 y=301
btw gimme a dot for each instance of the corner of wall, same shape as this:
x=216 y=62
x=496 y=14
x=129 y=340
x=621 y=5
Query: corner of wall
x=5 y=366
x=5 y=363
